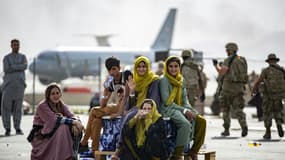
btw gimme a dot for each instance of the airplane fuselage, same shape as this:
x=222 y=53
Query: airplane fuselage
x=58 y=64
x=61 y=63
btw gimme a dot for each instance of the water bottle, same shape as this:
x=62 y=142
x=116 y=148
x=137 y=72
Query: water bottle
x=108 y=83
x=254 y=144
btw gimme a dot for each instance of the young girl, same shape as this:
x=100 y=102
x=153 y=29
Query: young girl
x=143 y=85
x=175 y=105
x=145 y=133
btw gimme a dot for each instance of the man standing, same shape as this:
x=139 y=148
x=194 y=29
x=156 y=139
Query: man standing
x=234 y=72
x=273 y=78
x=13 y=87
x=160 y=68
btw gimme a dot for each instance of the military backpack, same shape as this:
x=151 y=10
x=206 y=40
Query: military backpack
x=275 y=79
x=238 y=70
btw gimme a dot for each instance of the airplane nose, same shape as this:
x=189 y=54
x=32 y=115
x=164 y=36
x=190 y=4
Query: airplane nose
x=32 y=67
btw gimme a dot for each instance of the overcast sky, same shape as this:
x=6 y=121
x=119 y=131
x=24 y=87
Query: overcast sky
x=258 y=26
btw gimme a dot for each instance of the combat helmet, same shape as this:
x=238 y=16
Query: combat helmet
x=232 y=46
x=187 y=53
x=160 y=64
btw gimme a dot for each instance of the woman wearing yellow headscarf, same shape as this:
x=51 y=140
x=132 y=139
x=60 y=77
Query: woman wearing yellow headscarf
x=144 y=85
x=175 y=105
x=146 y=133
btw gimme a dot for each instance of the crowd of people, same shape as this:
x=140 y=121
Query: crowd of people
x=142 y=98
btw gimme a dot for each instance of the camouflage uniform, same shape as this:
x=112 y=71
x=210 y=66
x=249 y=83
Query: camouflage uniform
x=273 y=92
x=160 y=67
x=231 y=97
x=190 y=72
x=200 y=102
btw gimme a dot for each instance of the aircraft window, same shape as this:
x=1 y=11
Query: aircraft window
x=47 y=57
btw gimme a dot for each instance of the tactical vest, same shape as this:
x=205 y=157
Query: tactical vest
x=274 y=80
x=238 y=70
x=190 y=73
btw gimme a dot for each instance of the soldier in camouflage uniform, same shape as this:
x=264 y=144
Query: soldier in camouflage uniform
x=200 y=102
x=160 y=68
x=190 y=71
x=231 y=94
x=273 y=78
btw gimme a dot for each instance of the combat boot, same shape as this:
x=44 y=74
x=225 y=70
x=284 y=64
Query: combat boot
x=280 y=130
x=244 y=131
x=267 y=134
x=225 y=133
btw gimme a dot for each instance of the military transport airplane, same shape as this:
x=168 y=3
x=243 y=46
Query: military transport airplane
x=58 y=64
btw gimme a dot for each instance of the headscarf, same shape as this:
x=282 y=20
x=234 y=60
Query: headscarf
x=143 y=124
x=176 y=82
x=142 y=82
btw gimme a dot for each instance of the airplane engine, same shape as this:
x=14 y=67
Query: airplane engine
x=47 y=81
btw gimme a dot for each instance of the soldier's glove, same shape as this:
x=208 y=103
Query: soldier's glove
x=202 y=97
x=215 y=62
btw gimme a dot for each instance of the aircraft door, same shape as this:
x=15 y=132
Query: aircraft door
x=64 y=64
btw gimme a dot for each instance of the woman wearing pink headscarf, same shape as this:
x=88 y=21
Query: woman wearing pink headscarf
x=56 y=133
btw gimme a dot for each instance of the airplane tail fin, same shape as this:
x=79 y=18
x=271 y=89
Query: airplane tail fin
x=103 y=40
x=164 y=38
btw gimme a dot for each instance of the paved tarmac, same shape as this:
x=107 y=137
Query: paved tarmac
x=16 y=147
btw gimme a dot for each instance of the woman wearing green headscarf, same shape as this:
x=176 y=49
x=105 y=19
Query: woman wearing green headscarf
x=175 y=105
x=143 y=85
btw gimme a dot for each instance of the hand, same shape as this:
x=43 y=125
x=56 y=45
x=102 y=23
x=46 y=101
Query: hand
x=131 y=84
x=59 y=114
x=215 y=62
x=189 y=115
x=141 y=114
x=202 y=97
x=253 y=93
x=77 y=127
x=120 y=93
x=75 y=130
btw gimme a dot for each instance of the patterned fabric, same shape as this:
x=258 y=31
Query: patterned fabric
x=88 y=155
x=189 y=71
x=272 y=108
x=110 y=136
x=274 y=80
x=228 y=86
x=236 y=104
x=170 y=130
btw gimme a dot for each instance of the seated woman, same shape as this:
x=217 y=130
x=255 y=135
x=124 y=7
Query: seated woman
x=175 y=105
x=56 y=132
x=145 y=134
x=143 y=85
